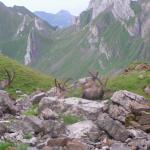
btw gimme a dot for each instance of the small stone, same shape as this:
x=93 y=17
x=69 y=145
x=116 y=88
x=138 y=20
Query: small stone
x=36 y=98
x=76 y=145
x=48 y=114
x=47 y=148
x=147 y=90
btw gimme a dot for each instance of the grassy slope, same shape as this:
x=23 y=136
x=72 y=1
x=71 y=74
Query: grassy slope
x=26 y=79
x=134 y=81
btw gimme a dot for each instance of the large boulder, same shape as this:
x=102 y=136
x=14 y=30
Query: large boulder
x=114 y=128
x=81 y=129
x=130 y=101
x=37 y=97
x=83 y=107
x=78 y=106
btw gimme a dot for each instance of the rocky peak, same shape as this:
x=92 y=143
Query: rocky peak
x=121 y=9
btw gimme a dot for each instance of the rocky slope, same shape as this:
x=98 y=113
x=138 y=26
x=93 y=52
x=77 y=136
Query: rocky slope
x=62 y=19
x=121 y=123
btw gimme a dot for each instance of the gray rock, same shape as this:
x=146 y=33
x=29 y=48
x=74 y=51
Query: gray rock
x=118 y=112
x=119 y=146
x=20 y=125
x=49 y=114
x=47 y=102
x=36 y=98
x=54 y=128
x=141 y=144
x=130 y=100
x=87 y=108
x=35 y=123
x=81 y=129
x=31 y=142
x=3 y=128
x=114 y=128
x=138 y=134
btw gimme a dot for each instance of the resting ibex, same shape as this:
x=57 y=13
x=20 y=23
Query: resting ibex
x=94 y=88
x=7 y=82
x=61 y=88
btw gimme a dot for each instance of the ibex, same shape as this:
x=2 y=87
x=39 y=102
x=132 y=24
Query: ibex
x=94 y=88
x=7 y=82
x=61 y=89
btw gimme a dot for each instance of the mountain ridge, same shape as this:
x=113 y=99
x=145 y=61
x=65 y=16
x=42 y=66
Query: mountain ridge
x=61 y=19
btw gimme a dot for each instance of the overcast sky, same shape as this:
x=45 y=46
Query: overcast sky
x=53 y=6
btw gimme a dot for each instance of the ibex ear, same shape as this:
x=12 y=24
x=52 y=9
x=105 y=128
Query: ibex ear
x=106 y=81
x=97 y=73
x=66 y=81
x=56 y=84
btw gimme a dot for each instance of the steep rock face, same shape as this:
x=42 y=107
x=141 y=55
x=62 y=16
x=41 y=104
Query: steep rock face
x=133 y=14
x=22 y=33
x=31 y=49
x=145 y=18
x=121 y=8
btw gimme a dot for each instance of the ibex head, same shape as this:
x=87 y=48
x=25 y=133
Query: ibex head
x=61 y=88
x=96 y=77
x=9 y=79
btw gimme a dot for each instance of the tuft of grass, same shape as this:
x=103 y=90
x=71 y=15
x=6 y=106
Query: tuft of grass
x=70 y=119
x=5 y=145
x=28 y=136
x=32 y=111
x=75 y=92
x=22 y=147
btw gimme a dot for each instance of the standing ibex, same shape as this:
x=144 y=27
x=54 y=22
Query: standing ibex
x=94 y=88
x=61 y=88
x=7 y=82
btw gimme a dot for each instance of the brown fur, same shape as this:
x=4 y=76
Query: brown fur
x=94 y=88
x=61 y=89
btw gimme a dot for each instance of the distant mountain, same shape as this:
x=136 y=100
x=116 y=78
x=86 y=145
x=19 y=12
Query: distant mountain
x=61 y=19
